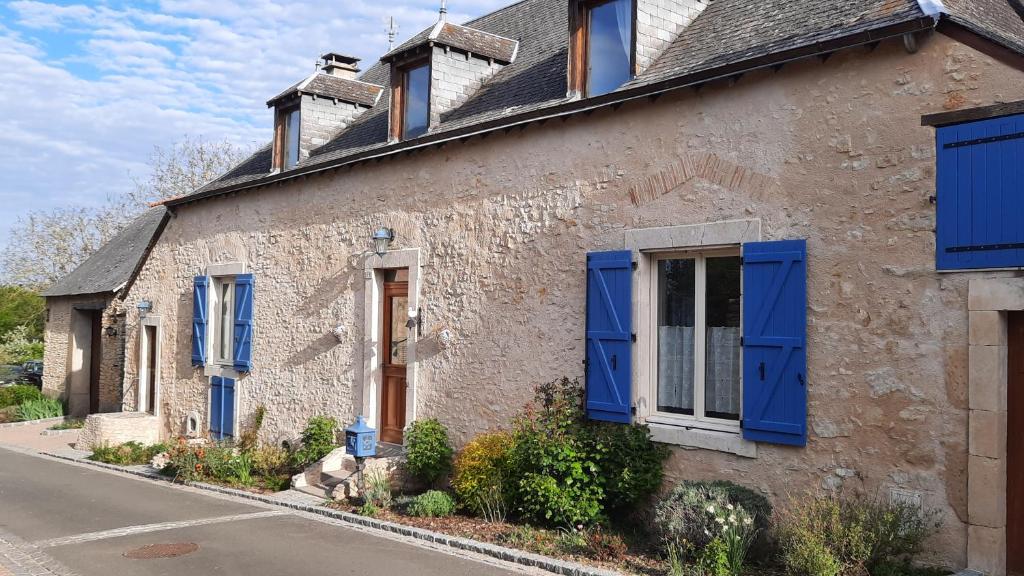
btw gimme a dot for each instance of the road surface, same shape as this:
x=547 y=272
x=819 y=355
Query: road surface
x=63 y=518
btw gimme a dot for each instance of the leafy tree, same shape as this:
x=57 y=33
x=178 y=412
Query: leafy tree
x=46 y=245
x=21 y=307
x=17 y=348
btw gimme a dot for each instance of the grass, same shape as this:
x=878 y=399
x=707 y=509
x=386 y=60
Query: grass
x=127 y=454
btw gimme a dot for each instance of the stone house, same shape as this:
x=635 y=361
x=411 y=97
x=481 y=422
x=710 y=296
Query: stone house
x=83 y=362
x=728 y=218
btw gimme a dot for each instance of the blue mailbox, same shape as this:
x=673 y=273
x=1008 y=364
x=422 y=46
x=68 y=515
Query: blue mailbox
x=360 y=439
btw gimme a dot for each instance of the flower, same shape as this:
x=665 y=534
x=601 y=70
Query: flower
x=747 y=521
x=720 y=520
x=732 y=518
x=729 y=507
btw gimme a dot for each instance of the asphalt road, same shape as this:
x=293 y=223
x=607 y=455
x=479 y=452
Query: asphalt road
x=87 y=519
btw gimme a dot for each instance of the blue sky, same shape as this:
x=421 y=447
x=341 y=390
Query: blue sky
x=88 y=89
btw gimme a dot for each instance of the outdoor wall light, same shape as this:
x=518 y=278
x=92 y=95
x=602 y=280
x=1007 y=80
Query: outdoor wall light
x=110 y=331
x=144 y=306
x=382 y=239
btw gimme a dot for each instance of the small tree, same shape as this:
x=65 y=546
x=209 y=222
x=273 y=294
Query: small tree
x=21 y=307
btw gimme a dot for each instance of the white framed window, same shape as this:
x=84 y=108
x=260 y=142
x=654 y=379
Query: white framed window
x=694 y=330
x=222 y=306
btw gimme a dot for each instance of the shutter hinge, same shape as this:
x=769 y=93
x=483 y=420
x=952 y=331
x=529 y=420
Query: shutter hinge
x=741 y=423
x=741 y=341
x=636 y=266
x=633 y=337
x=742 y=260
x=632 y=410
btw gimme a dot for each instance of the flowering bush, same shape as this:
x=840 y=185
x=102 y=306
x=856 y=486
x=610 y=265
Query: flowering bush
x=734 y=537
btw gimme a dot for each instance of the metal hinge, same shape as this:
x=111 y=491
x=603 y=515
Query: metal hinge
x=741 y=341
x=633 y=336
x=632 y=410
x=636 y=266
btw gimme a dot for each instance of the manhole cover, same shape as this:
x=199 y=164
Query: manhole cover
x=154 y=551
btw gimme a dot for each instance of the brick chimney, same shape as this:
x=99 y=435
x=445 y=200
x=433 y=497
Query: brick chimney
x=340 y=65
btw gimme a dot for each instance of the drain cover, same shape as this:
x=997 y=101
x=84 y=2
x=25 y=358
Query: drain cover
x=154 y=551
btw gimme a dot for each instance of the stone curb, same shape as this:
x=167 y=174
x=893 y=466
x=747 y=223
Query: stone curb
x=32 y=422
x=500 y=552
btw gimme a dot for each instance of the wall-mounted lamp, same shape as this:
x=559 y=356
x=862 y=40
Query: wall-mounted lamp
x=145 y=307
x=110 y=331
x=382 y=240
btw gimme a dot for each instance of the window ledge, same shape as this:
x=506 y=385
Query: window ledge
x=732 y=443
x=221 y=370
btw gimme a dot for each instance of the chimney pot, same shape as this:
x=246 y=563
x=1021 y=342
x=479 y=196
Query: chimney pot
x=340 y=65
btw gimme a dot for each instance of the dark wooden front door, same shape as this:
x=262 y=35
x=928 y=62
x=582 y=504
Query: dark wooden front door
x=150 y=369
x=394 y=345
x=1015 y=447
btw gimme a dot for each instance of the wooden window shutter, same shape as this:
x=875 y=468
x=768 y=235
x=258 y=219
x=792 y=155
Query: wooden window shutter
x=200 y=288
x=775 y=342
x=609 y=308
x=243 y=323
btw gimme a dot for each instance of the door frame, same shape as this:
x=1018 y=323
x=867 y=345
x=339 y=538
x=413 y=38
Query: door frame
x=374 y=268
x=989 y=302
x=141 y=396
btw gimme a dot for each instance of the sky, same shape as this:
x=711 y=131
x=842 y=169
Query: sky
x=88 y=89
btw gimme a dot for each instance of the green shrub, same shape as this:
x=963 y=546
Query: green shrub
x=318 y=440
x=481 y=475
x=631 y=464
x=270 y=461
x=432 y=504
x=15 y=395
x=428 y=451
x=681 y=516
x=572 y=470
x=76 y=424
x=40 y=408
x=832 y=535
x=127 y=454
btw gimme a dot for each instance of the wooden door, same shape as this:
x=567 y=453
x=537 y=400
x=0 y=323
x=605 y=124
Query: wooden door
x=150 y=369
x=95 y=360
x=394 y=345
x=1015 y=447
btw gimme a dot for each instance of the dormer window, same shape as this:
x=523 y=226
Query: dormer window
x=602 y=46
x=411 y=100
x=291 y=126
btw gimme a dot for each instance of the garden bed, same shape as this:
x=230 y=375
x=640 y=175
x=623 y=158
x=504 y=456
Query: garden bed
x=636 y=559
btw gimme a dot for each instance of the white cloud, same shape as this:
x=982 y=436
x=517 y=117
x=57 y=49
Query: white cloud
x=90 y=89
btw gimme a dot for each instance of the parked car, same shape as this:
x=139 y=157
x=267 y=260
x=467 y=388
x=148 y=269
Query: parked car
x=33 y=371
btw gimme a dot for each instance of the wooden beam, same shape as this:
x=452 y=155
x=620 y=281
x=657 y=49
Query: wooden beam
x=973 y=114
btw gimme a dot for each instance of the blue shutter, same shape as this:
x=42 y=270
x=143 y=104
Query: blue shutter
x=775 y=342
x=200 y=286
x=227 y=411
x=243 y=322
x=216 y=402
x=979 y=187
x=609 y=330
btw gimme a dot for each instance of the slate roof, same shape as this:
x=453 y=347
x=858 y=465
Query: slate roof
x=473 y=40
x=114 y=264
x=728 y=37
x=329 y=86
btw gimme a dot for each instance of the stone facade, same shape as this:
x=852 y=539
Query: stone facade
x=832 y=152
x=658 y=22
x=454 y=77
x=321 y=119
x=65 y=316
x=115 y=429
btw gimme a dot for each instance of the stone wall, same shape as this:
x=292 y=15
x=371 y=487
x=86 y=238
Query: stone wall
x=322 y=119
x=658 y=23
x=60 y=314
x=832 y=152
x=454 y=77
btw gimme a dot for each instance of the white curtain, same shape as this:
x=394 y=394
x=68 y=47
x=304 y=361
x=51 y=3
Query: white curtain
x=675 y=367
x=722 y=389
x=624 y=15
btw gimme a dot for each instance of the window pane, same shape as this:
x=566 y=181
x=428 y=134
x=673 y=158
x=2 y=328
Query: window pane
x=676 y=310
x=399 y=332
x=225 y=327
x=417 y=101
x=722 y=376
x=291 y=131
x=611 y=33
